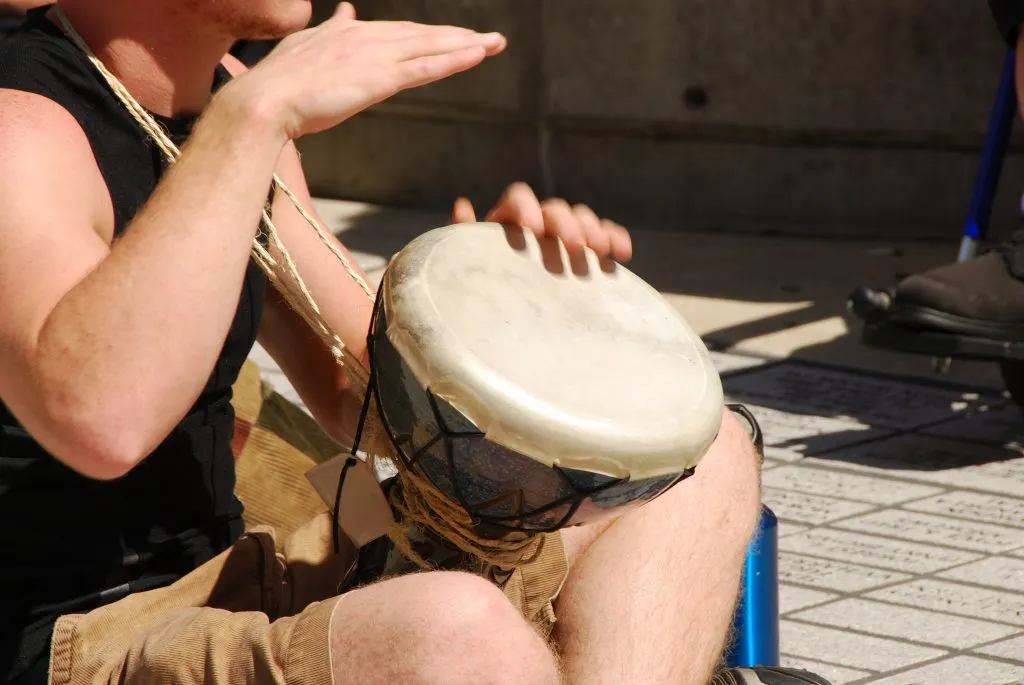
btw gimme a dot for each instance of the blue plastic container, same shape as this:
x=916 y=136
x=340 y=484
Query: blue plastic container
x=756 y=626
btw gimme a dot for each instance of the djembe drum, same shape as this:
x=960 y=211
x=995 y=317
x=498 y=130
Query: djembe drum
x=524 y=390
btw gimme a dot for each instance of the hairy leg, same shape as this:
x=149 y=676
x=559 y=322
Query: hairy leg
x=649 y=598
x=439 y=627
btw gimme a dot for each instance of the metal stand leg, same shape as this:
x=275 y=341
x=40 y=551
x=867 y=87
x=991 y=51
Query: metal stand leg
x=990 y=166
x=986 y=182
x=756 y=625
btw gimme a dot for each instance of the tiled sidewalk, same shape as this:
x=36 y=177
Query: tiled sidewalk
x=901 y=508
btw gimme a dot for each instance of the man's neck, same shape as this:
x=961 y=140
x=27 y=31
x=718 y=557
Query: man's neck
x=160 y=54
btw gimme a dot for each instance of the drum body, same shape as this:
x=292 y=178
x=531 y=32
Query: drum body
x=536 y=389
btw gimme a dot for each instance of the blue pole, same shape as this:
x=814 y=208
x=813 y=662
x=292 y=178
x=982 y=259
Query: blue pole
x=756 y=625
x=986 y=182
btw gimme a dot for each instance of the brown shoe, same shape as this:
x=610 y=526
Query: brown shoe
x=981 y=297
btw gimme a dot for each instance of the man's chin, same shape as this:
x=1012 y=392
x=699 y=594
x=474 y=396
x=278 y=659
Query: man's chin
x=300 y=14
x=282 y=19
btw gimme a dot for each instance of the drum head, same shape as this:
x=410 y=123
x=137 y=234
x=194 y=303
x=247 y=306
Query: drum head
x=572 y=363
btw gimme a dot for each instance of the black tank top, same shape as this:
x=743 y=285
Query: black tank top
x=68 y=543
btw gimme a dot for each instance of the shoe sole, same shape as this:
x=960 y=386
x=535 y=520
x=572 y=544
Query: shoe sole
x=768 y=676
x=933 y=319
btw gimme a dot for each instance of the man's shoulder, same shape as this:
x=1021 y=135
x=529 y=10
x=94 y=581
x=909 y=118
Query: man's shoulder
x=44 y=91
x=36 y=61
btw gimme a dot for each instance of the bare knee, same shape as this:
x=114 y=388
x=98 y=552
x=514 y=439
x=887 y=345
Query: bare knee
x=437 y=628
x=726 y=487
x=726 y=484
x=735 y=441
x=480 y=633
x=733 y=465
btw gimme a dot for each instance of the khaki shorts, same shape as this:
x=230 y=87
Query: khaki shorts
x=261 y=611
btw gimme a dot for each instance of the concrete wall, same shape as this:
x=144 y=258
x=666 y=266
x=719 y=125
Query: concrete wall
x=803 y=116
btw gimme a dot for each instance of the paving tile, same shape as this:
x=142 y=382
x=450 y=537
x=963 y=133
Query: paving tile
x=954 y=463
x=959 y=670
x=790 y=528
x=938 y=530
x=955 y=598
x=878 y=402
x=810 y=509
x=1006 y=511
x=837 y=675
x=852 y=650
x=834 y=575
x=996 y=425
x=1001 y=573
x=916 y=625
x=871 y=550
x=793 y=598
x=808 y=434
x=1007 y=649
x=782 y=454
x=849 y=486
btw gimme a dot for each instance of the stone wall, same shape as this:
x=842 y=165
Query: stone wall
x=856 y=117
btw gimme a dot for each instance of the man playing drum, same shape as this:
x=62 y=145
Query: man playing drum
x=129 y=304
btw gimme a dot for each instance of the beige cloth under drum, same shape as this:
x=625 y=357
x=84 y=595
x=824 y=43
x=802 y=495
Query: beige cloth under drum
x=261 y=611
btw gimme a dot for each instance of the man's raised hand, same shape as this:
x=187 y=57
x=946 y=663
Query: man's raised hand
x=317 y=78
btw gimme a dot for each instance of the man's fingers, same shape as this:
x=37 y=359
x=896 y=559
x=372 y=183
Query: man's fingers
x=576 y=226
x=446 y=40
x=519 y=206
x=399 y=33
x=346 y=11
x=419 y=72
x=436 y=54
x=593 y=232
x=463 y=212
x=561 y=222
x=620 y=243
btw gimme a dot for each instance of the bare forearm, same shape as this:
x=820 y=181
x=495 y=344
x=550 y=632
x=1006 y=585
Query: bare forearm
x=312 y=369
x=135 y=341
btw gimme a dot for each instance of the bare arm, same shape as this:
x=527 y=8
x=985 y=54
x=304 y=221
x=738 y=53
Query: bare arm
x=305 y=360
x=103 y=348
x=307 y=363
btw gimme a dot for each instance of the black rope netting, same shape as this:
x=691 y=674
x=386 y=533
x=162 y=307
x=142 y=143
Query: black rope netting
x=502 y=490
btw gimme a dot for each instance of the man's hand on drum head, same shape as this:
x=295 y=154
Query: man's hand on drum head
x=575 y=225
x=317 y=78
